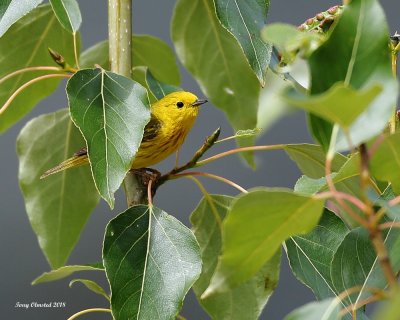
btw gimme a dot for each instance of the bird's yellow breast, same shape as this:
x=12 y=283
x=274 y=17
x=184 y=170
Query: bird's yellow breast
x=166 y=134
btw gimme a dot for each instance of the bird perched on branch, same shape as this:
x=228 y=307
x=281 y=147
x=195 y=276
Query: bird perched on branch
x=172 y=117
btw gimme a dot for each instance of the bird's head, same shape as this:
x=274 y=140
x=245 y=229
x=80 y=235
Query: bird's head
x=177 y=107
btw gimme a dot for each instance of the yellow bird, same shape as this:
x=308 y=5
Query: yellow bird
x=172 y=117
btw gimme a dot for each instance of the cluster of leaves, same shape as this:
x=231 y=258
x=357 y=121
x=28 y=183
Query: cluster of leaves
x=232 y=256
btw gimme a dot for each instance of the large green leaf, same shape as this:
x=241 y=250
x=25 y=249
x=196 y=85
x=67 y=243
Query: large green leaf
x=355 y=263
x=151 y=261
x=389 y=310
x=327 y=309
x=68 y=13
x=247 y=300
x=111 y=111
x=64 y=272
x=42 y=30
x=385 y=161
x=340 y=104
x=212 y=55
x=147 y=51
x=360 y=65
x=311 y=158
x=310 y=255
x=12 y=10
x=245 y=19
x=257 y=224
x=57 y=207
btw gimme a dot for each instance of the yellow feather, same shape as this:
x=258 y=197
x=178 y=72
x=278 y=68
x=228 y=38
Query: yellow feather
x=172 y=117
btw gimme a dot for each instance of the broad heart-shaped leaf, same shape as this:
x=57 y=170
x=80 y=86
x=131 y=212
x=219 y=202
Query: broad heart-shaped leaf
x=214 y=58
x=360 y=66
x=327 y=309
x=12 y=10
x=385 y=161
x=64 y=272
x=43 y=31
x=248 y=299
x=57 y=207
x=68 y=13
x=147 y=51
x=256 y=225
x=245 y=19
x=355 y=263
x=111 y=111
x=310 y=255
x=340 y=104
x=151 y=261
x=92 y=286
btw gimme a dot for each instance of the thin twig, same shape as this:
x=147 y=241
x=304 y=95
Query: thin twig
x=239 y=150
x=342 y=195
x=212 y=176
x=27 y=84
x=192 y=163
x=388 y=225
x=28 y=69
x=76 y=315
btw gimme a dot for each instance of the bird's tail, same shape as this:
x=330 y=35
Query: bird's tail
x=75 y=161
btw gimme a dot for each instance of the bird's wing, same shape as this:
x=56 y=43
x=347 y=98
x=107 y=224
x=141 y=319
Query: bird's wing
x=152 y=129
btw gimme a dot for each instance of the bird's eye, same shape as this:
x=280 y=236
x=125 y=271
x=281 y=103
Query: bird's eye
x=179 y=104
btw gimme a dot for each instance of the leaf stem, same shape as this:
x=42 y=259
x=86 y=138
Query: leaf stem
x=80 y=313
x=27 y=84
x=76 y=51
x=209 y=175
x=209 y=199
x=239 y=150
x=38 y=68
x=328 y=175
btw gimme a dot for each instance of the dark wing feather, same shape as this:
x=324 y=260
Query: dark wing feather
x=152 y=128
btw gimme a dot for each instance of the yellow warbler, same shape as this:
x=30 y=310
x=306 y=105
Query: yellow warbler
x=172 y=117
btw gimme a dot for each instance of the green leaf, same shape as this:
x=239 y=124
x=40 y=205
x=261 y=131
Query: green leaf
x=151 y=261
x=385 y=161
x=360 y=66
x=340 y=104
x=290 y=41
x=355 y=263
x=92 y=286
x=272 y=215
x=111 y=111
x=147 y=51
x=244 y=19
x=63 y=272
x=158 y=88
x=311 y=255
x=389 y=310
x=212 y=55
x=68 y=13
x=57 y=207
x=311 y=159
x=327 y=309
x=13 y=10
x=247 y=300
x=43 y=31
x=383 y=200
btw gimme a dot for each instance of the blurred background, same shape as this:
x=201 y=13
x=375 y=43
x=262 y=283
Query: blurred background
x=21 y=258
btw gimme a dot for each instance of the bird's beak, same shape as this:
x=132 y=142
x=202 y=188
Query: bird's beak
x=198 y=102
